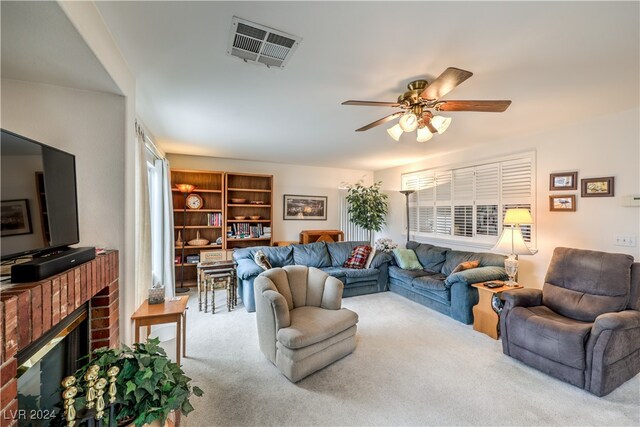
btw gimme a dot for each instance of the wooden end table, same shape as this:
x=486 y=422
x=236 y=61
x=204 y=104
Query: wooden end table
x=485 y=317
x=171 y=310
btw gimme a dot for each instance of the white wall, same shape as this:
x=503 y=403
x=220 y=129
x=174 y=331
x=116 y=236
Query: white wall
x=609 y=146
x=288 y=179
x=89 y=125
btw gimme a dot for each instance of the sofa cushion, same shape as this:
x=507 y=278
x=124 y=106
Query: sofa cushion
x=358 y=257
x=406 y=276
x=337 y=272
x=310 y=325
x=340 y=251
x=584 y=284
x=488 y=259
x=432 y=282
x=431 y=257
x=406 y=259
x=476 y=275
x=550 y=335
x=312 y=255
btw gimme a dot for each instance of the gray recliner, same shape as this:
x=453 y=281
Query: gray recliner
x=583 y=327
x=301 y=327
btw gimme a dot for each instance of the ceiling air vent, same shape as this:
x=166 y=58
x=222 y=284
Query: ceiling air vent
x=257 y=43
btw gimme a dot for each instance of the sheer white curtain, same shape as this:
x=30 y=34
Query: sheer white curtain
x=168 y=268
x=143 y=254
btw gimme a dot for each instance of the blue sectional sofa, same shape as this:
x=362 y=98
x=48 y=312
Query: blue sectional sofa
x=328 y=257
x=435 y=286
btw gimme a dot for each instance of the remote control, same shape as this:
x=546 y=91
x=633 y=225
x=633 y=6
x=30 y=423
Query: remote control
x=492 y=285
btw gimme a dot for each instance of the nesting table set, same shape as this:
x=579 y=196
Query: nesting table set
x=216 y=275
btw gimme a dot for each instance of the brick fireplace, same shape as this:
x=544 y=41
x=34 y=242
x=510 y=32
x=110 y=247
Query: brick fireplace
x=29 y=310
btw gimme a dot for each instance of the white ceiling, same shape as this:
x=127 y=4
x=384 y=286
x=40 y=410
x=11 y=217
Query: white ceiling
x=558 y=62
x=39 y=44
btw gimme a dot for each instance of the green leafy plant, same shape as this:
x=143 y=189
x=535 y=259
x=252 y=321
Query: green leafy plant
x=149 y=385
x=368 y=206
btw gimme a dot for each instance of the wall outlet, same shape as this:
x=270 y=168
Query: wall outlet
x=626 y=241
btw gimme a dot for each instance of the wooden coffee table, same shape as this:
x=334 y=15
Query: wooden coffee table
x=171 y=310
x=485 y=318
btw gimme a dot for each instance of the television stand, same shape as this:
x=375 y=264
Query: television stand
x=52 y=263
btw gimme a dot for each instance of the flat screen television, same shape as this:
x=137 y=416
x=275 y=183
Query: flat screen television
x=39 y=197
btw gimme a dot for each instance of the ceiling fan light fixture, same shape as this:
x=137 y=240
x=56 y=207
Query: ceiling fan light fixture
x=424 y=134
x=395 y=132
x=409 y=122
x=441 y=123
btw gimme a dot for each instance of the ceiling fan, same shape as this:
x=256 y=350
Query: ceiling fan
x=422 y=97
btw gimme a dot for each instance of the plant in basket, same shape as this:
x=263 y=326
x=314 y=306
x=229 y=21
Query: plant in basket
x=148 y=385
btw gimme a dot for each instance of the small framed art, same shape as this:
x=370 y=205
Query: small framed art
x=563 y=181
x=597 y=187
x=564 y=203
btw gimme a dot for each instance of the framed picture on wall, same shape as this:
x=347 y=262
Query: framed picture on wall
x=305 y=207
x=597 y=187
x=563 y=181
x=16 y=218
x=564 y=203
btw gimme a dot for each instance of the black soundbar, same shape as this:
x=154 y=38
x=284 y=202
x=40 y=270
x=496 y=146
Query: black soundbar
x=46 y=266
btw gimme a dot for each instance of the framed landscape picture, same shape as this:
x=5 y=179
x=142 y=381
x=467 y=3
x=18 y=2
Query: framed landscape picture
x=16 y=218
x=563 y=181
x=305 y=207
x=597 y=187
x=564 y=203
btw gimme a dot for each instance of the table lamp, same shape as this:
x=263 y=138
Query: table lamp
x=512 y=242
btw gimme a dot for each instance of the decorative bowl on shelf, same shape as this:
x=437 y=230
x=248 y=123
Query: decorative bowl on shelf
x=257 y=202
x=255 y=217
x=198 y=241
x=238 y=201
x=240 y=217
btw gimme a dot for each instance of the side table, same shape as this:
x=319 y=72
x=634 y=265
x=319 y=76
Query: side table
x=485 y=317
x=171 y=310
x=211 y=275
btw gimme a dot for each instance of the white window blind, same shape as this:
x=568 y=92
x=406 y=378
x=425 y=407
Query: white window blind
x=469 y=203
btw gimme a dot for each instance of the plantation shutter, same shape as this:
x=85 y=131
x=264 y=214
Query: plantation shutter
x=470 y=202
x=463 y=195
x=517 y=189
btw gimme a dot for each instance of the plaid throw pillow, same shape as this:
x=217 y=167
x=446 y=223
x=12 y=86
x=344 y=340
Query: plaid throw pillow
x=358 y=257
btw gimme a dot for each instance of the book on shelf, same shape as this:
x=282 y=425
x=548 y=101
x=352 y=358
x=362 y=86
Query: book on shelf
x=214 y=219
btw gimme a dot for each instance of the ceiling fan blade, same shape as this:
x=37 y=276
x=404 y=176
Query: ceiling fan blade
x=483 y=106
x=445 y=83
x=371 y=103
x=381 y=121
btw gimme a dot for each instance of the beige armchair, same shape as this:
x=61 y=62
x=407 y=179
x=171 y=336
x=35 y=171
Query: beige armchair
x=301 y=327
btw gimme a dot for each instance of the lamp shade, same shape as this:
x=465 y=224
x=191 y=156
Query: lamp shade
x=424 y=134
x=441 y=123
x=517 y=216
x=512 y=242
x=408 y=122
x=185 y=188
x=395 y=132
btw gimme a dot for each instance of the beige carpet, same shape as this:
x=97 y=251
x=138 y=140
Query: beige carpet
x=412 y=366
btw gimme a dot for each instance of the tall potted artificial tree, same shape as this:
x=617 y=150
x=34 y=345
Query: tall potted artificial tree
x=367 y=206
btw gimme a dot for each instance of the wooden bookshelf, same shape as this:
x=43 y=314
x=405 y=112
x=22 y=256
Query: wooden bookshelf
x=210 y=187
x=257 y=192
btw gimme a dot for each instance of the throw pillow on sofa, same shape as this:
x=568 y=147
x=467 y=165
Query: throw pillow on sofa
x=371 y=255
x=261 y=259
x=358 y=257
x=467 y=265
x=407 y=259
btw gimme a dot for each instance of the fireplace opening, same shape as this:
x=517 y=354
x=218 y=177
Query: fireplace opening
x=43 y=365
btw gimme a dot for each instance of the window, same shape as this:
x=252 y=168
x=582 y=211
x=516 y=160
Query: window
x=469 y=203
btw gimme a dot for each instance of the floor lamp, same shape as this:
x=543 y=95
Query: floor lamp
x=185 y=189
x=407 y=193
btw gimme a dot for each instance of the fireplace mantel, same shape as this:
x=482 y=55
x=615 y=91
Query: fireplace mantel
x=29 y=310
